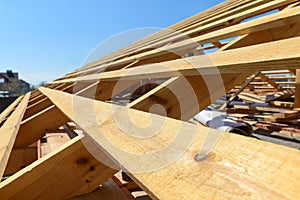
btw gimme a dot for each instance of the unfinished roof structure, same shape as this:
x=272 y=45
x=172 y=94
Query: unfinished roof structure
x=169 y=76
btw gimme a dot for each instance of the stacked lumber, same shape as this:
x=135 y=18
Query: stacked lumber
x=266 y=113
x=272 y=80
x=273 y=115
x=148 y=135
x=276 y=106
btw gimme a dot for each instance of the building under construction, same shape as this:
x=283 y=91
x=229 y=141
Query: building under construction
x=190 y=112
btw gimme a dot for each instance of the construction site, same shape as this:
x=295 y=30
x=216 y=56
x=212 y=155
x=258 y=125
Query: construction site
x=208 y=108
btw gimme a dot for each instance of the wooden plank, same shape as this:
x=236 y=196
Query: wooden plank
x=288 y=87
x=166 y=33
x=282 y=104
x=230 y=169
x=273 y=114
x=106 y=90
x=248 y=39
x=249 y=97
x=218 y=18
x=266 y=88
x=59 y=175
x=263 y=109
x=270 y=7
x=170 y=101
x=271 y=82
x=286 y=82
x=276 y=117
x=9 y=109
x=9 y=131
x=108 y=191
x=55 y=139
x=33 y=128
x=34 y=94
x=247 y=82
x=184 y=97
x=297 y=91
x=38 y=97
x=44 y=115
x=281 y=77
x=276 y=72
x=283 y=54
x=164 y=95
x=37 y=107
x=20 y=158
x=279 y=95
x=291 y=115
x=259 y=83
x=271 y=21
x=40 y=102
x=267 y=6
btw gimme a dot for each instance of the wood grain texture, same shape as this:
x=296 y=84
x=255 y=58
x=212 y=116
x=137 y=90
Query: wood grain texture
x=184 y=97
x=108 y=191
x=64 y=173
x=237 y=167
x=282 y=54
x=33 y=128
x=9 y=131
x=158 y=151
x=20 y=158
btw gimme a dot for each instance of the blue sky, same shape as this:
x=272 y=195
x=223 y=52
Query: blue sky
x=43 y=39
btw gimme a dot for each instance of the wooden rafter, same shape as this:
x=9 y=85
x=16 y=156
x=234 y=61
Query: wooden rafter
x=78 y=170
x=221 y=159
x=9 y=131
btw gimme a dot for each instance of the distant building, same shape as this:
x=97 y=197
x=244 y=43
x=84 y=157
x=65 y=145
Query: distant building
x=8 y=76
x=11 y=85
